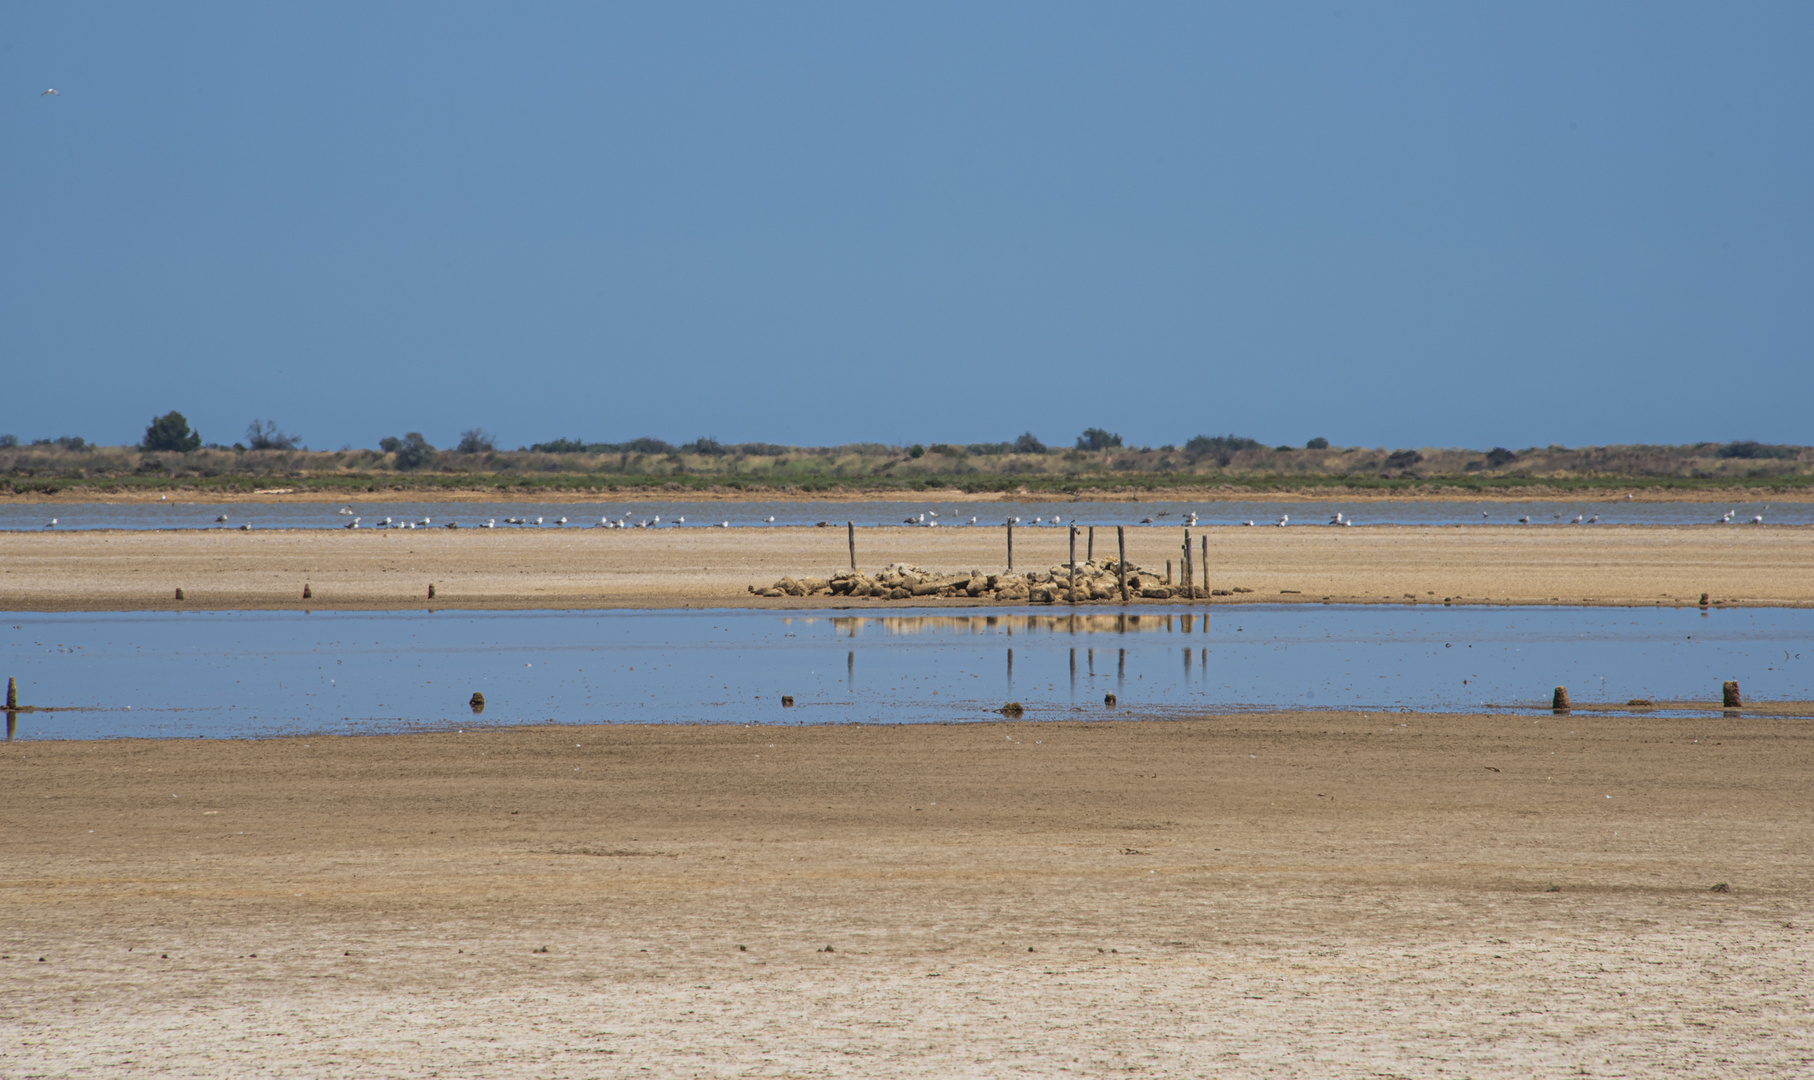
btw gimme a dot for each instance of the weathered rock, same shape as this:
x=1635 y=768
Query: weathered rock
x=898 y=594
x=1156 y=592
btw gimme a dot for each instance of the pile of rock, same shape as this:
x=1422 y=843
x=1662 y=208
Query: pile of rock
x=899 y=581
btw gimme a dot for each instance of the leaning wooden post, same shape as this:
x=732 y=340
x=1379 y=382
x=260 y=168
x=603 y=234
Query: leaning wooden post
x=1073 y=585
x=1010 y=545
x=12 y=693
x=850 y=530
x=1121 y=565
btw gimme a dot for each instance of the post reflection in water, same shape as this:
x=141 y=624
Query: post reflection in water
x=253 y=673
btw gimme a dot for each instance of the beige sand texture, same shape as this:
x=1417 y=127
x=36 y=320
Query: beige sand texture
x=1279 y=895
x=580 y=568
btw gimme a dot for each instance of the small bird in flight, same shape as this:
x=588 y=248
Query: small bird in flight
x=50 y=92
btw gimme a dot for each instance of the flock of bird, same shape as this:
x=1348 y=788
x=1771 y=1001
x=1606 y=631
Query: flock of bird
x=927 y=519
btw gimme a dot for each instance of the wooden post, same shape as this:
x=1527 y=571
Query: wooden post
x=12 y=692
x=1121 y=565
x=1091 y=555
x=1729 y=694
x=1205 y=539
x=431 y=590
x=1190 y=577
x=850 y=530
x=1010 y=545
x=1168 y=571
x=1558 y=702
x=1073 y=588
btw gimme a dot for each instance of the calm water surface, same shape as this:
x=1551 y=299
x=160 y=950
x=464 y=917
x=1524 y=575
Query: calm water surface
x=702 y=514
x=264 y=673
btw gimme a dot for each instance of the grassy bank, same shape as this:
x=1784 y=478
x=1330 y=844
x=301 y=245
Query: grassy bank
x=52 y=470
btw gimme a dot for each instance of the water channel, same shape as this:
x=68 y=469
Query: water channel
x=758 y=513
x=239 y=674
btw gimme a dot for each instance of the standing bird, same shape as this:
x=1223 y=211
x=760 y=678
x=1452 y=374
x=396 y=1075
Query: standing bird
x=1284 y=520
x=221 y=518
x=51 y=523
x=770 y=519
x=1525 y=520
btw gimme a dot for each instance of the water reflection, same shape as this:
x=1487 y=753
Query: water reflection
x=243 y=673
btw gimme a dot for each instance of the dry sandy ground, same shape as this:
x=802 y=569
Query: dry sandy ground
x=568 y=568
x=1280 y=895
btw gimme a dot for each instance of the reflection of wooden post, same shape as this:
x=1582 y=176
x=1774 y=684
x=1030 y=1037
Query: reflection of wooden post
x=850 y=530
x=1121 y=565
x=1010 y=545
x=1073 y=588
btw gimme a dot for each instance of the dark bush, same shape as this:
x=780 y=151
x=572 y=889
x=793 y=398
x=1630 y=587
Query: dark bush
x=476 y=441
x=1403 y=459
x=1751 y=451
x=1318 y=443
x=707 y=446
x=263 y=435
x=7 y=442
x=916 y=451
x=1211 y=444
x=1097 y=439
x=412 y=450
x=1499 y=457
x=171 y=432
x=1028 y=444
x=558 y=446
x=990 y=448
x=66 y=442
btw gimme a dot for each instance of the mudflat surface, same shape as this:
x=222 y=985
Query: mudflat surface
x=581 y=568
x=1286 y=894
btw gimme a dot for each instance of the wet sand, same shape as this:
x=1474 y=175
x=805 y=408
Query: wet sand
x=599 y=568
x=1297 y=894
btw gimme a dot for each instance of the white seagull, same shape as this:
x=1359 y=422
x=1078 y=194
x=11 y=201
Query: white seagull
x=50 y=523
x=1284 y=520
x=221 y=518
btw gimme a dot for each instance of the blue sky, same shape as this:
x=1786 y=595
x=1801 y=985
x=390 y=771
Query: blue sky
x=1385 y=224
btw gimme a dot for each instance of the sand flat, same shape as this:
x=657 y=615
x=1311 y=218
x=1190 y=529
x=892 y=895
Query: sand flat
x=583 y=568
x=1319 y=894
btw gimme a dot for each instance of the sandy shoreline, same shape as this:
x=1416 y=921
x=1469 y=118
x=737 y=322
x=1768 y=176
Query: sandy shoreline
x=1326 y=894
x=596 y=568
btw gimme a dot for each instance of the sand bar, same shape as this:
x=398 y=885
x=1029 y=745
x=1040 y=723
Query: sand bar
x=599 y=568
x=1324 y=894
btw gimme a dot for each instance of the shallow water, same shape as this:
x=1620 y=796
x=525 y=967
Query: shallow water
x=699 y=514
x=223 y=674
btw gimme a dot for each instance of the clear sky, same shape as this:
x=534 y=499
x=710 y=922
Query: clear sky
x=1386 y=224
